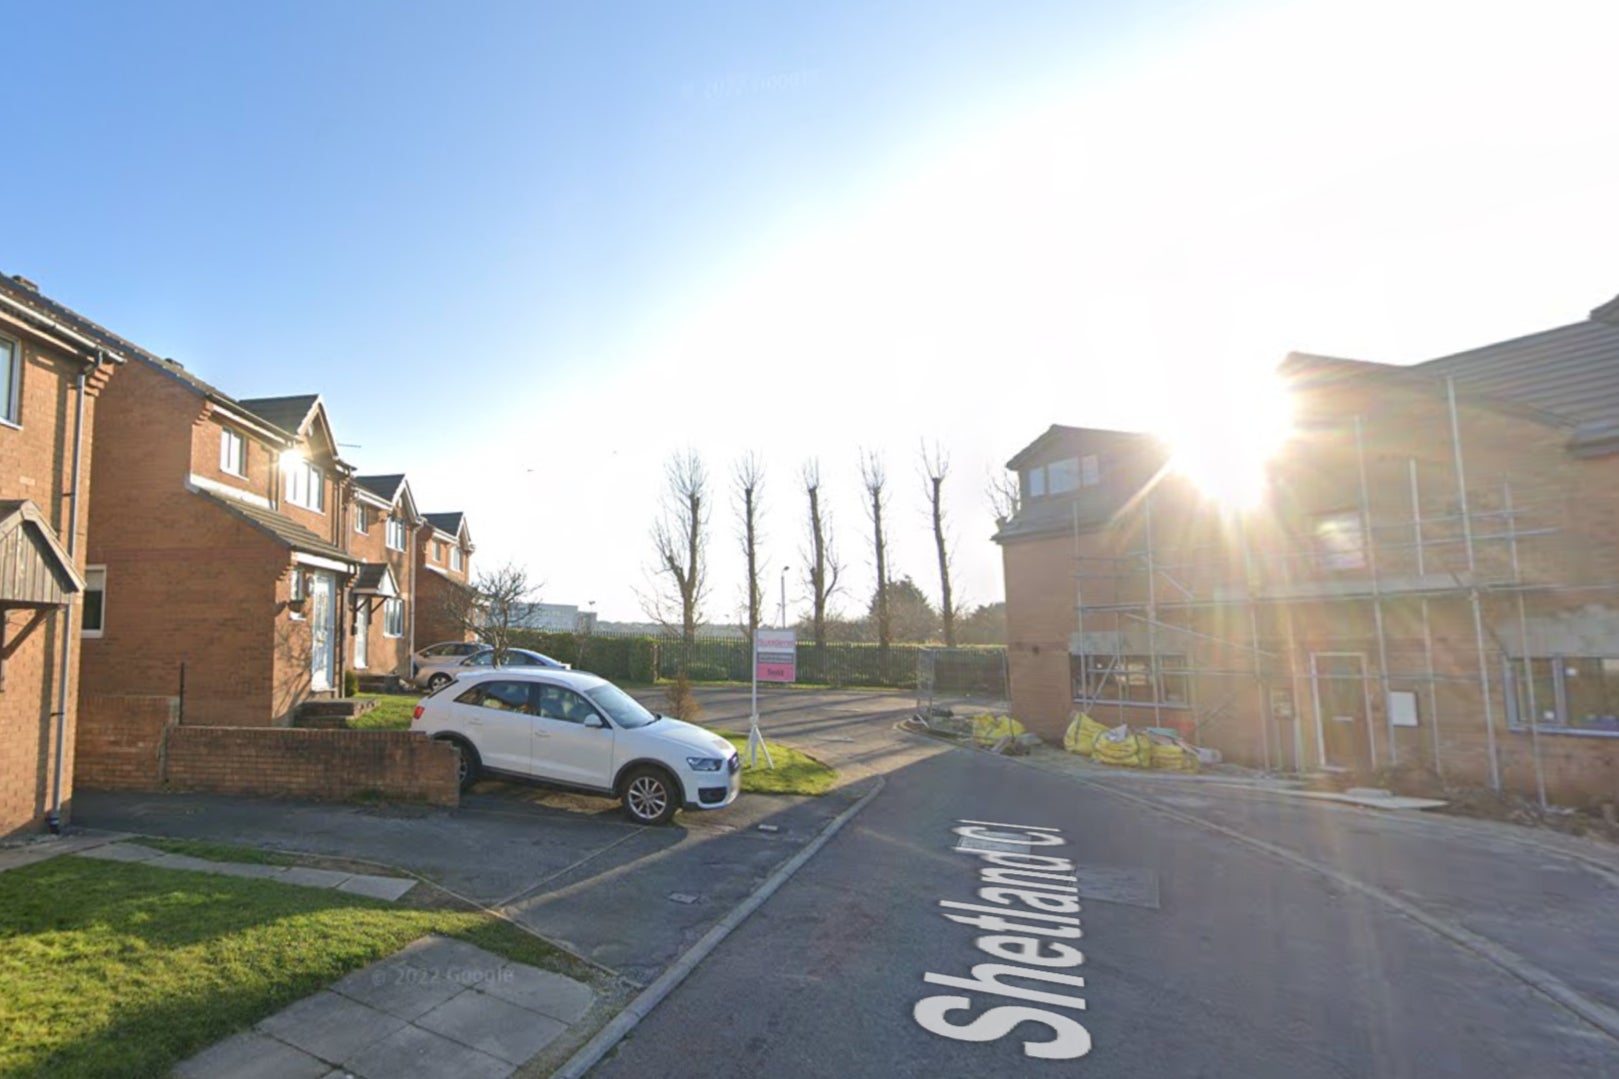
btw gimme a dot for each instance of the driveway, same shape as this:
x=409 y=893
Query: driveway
x=570 y=866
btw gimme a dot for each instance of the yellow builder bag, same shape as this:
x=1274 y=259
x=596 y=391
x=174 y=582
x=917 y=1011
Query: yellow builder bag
x=1169 y=755
x=989 y=728
x=1123 y=748
x=1082 y=734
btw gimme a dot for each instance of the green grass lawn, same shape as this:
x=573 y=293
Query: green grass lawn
x=118 y=969
x=392 y=712
x=796 y=772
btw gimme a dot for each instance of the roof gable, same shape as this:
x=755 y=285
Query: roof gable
x=453 y=525
x=1059 y=440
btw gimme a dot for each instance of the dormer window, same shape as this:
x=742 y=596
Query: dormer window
x=1063 y=477
x=455 y=558
x=396 y=534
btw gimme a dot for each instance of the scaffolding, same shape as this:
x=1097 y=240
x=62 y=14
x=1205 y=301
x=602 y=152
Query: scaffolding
x=1197 y=634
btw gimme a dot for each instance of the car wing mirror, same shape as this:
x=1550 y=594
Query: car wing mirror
x=595 y=721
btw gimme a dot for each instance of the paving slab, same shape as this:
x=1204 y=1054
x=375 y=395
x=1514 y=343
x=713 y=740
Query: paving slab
x=448 y=959
x=396 y=987
x=184 y=862
x=540 y=991
x=501 y=1029
x=414 y=1053
x=314 y=878
x=122 y=852
x=251 y=1056
x=389 y=888
x=249 y=869
x=330 y=1026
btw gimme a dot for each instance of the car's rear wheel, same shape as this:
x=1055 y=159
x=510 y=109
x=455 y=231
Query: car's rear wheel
x=438 y=681
x=467 y=764
x=650 y=796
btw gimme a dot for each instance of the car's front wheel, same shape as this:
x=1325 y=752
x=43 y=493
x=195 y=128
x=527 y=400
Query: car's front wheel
x=467 y=764
x=650 y=796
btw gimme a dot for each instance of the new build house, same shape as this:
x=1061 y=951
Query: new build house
x=444 y=560
x=1430 y=577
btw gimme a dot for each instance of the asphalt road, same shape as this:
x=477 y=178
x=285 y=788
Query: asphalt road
x=1202 y=955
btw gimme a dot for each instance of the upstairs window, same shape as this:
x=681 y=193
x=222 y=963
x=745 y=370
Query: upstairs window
x=1340 y=541
x=306 y=486
x=438 y=551
x=232 y=453
x=455 y=558
x=360 y=521
x=10 y=380
x=1063 y=477
x=396 y=534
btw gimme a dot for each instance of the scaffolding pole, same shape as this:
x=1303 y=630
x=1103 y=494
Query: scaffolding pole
x=1528 y=665
x=1472 y=581
x=1427 y=626
x=1377 y=602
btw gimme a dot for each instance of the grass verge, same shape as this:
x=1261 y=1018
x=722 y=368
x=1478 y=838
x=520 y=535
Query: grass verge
x=392 y=713
x=796 y=772
x=117 y=969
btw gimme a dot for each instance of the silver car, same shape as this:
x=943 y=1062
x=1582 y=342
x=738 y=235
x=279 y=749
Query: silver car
x=438 y=670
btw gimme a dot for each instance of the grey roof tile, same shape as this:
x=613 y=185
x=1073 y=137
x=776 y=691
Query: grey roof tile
x=280 y=528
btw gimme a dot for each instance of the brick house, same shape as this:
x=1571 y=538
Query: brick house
x=382 y=534
x=1430 y=578
x=52 y=373
x=444 y=561
x=218 y=529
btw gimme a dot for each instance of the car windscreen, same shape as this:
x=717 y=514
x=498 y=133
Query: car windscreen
x=624 y=710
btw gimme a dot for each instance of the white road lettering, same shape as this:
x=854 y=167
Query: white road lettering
x=1027 y=913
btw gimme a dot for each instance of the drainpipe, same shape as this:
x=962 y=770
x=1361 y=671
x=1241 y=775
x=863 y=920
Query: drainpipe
x=54 y=819
x=410 y=632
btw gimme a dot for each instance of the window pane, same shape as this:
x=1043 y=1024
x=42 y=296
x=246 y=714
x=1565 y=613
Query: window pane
x=1062 y=476
x=95 y=585
x=1339 y=541
x=1036 y=481
x=8 y=379
x=1090 y=470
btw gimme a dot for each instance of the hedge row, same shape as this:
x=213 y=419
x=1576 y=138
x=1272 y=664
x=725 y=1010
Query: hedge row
x=638 y=659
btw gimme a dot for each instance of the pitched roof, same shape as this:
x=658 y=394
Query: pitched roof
x=35 y=569
x=1571 y=371
x=448 y=523
x=287 y=413
x=377 y=578
x=384 y=487
x=287 y=532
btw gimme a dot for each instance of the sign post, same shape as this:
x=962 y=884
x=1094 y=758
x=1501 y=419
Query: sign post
x=775 y=659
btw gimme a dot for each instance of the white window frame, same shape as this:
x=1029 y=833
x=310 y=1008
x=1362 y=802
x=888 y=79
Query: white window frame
x=455 y=557
x=98 y=574
x=232 y=453
x=395 y=538
x=1090 y=470
x=393 y=617
x=306 y=486
x=359 y=518
x=295 y=591
x=11 y=406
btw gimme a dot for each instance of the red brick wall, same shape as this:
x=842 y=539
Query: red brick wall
x=384 y=655
x=121 y=741
x=433 y=623
x=36 y=463
x=261 y=456
x=315 y=764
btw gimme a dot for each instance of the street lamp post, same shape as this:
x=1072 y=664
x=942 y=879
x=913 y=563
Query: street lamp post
x=784 y=570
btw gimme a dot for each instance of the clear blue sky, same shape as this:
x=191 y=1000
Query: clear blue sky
x=527 y=250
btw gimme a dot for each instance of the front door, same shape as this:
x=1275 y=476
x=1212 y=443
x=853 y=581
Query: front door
x=1342 y=707
x=362 y=631
x=322 y=623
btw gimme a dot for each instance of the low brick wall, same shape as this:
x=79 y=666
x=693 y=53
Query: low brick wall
x=324 y=765
x=120 y=741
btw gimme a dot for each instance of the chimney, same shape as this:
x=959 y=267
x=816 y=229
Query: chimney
x=25 y=282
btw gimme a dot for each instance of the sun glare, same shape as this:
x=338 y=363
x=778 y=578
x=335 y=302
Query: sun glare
x=1224 y=441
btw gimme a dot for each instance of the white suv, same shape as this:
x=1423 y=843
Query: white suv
x=577 y=730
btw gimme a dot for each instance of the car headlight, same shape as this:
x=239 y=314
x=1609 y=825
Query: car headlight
x=704 y=764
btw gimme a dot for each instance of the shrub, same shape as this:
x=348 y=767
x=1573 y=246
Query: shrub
x=351 y=683
x=680 y=701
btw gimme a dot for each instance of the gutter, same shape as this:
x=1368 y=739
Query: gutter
x=53 y=820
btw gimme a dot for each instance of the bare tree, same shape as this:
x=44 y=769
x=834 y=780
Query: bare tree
x=821 y=559
x=875 y=479
x=496 y=605
x=1004 y=496
x=749 y=482
x=680 y=537
x=935 y=467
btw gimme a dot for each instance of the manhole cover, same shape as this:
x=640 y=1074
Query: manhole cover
x=683 y=897
x=1135 y=887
